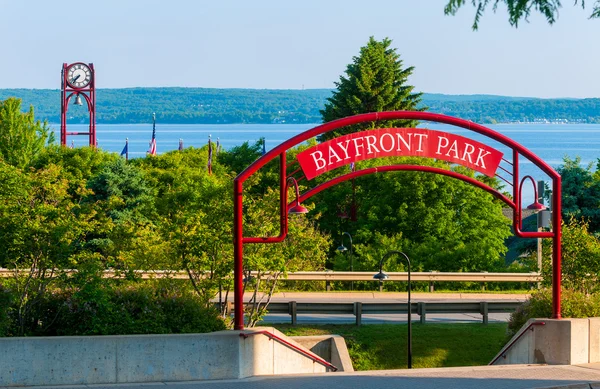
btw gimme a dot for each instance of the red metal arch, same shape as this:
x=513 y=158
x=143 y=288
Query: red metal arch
x=280 y=151
x=411 y=168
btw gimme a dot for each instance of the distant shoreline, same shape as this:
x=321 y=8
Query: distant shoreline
x=265 y=106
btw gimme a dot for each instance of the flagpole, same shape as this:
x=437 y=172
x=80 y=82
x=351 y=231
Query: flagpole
x=209 y=155
x=152 y=150
x=126 y=149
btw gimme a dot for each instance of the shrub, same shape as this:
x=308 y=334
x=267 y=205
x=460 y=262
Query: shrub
x=134 y=308
x=573 y=305
x=6 y=301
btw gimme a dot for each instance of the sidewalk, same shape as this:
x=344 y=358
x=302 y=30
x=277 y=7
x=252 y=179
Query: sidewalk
x=493 y=377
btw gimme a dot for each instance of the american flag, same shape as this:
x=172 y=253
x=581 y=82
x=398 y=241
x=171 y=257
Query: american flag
x=352 y=166
x=210 y=153
x=125 y=150
x=180 y=144
x=152 y=150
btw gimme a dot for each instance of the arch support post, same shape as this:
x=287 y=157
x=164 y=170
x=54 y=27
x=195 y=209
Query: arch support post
x=238 y=254
x=556 y=246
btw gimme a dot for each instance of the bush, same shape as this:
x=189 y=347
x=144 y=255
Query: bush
x=6 y=301
x=573 y=305
x=138 y=308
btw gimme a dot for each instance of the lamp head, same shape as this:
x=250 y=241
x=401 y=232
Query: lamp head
x=343 y=215
x=342 y=248
x=381 y=276
x=536 y=205
x=298 y=209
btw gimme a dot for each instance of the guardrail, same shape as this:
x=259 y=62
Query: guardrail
x=330 y=276
x=340 y=276
x=421 y=308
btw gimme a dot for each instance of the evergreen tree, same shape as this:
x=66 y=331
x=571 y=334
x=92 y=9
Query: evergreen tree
x=375 y=81
x=21 y=136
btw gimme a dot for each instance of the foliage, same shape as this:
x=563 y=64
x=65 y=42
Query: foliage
x=375 y=82
x=240 y=157
x=304 y=249
x=517 y=10
x=6 y=301
x=383 y=346
x=106 y=308
x=580 y=192
x=184 y=105
x=123 y=188
x=574 y=304
x=78 y=165
x=40 y=230
x=194 y=218
x=22 y=138
x=580 y=258
x=497 y=109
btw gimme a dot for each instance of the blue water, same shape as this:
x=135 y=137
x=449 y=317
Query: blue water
x=551 y=142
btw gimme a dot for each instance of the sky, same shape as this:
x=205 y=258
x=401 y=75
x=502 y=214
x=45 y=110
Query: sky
x=278 y=44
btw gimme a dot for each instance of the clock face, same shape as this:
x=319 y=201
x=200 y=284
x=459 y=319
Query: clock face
x=79 y=75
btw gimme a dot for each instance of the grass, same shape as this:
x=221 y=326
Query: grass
x=384 y=346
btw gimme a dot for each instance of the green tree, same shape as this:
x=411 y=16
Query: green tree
x=375 y=81
x=78 y=165
x=580 y=192
x=240 y=157
x=22 y=138
x=123 y=202
x=193 y=217
x=41 y=230
x=580 y=258
x=517 y=9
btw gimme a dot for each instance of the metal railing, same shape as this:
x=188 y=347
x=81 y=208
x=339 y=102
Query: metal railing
x=308 y=354
x=502 y=352
x=421 y=308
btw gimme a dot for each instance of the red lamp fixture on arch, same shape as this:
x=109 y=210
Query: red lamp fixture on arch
x=298 y=208
x=536 y=204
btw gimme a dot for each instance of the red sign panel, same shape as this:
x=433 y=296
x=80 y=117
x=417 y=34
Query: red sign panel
x=399 y=142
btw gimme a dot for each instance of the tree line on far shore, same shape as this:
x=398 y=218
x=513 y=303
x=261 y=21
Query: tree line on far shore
x=221 y=106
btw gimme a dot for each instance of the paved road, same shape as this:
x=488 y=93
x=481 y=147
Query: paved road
x=492 y=377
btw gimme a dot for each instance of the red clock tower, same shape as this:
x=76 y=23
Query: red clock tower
x=78 y=80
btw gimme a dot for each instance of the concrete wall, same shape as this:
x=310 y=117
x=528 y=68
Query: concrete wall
x=147 y=358
x=332 y=348
x=557 y=342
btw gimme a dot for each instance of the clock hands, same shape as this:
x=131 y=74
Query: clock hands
x=75 y=78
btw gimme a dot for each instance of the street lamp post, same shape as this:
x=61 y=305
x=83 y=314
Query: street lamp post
x=342 y=249
x=539 y=208
x=381 y=276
